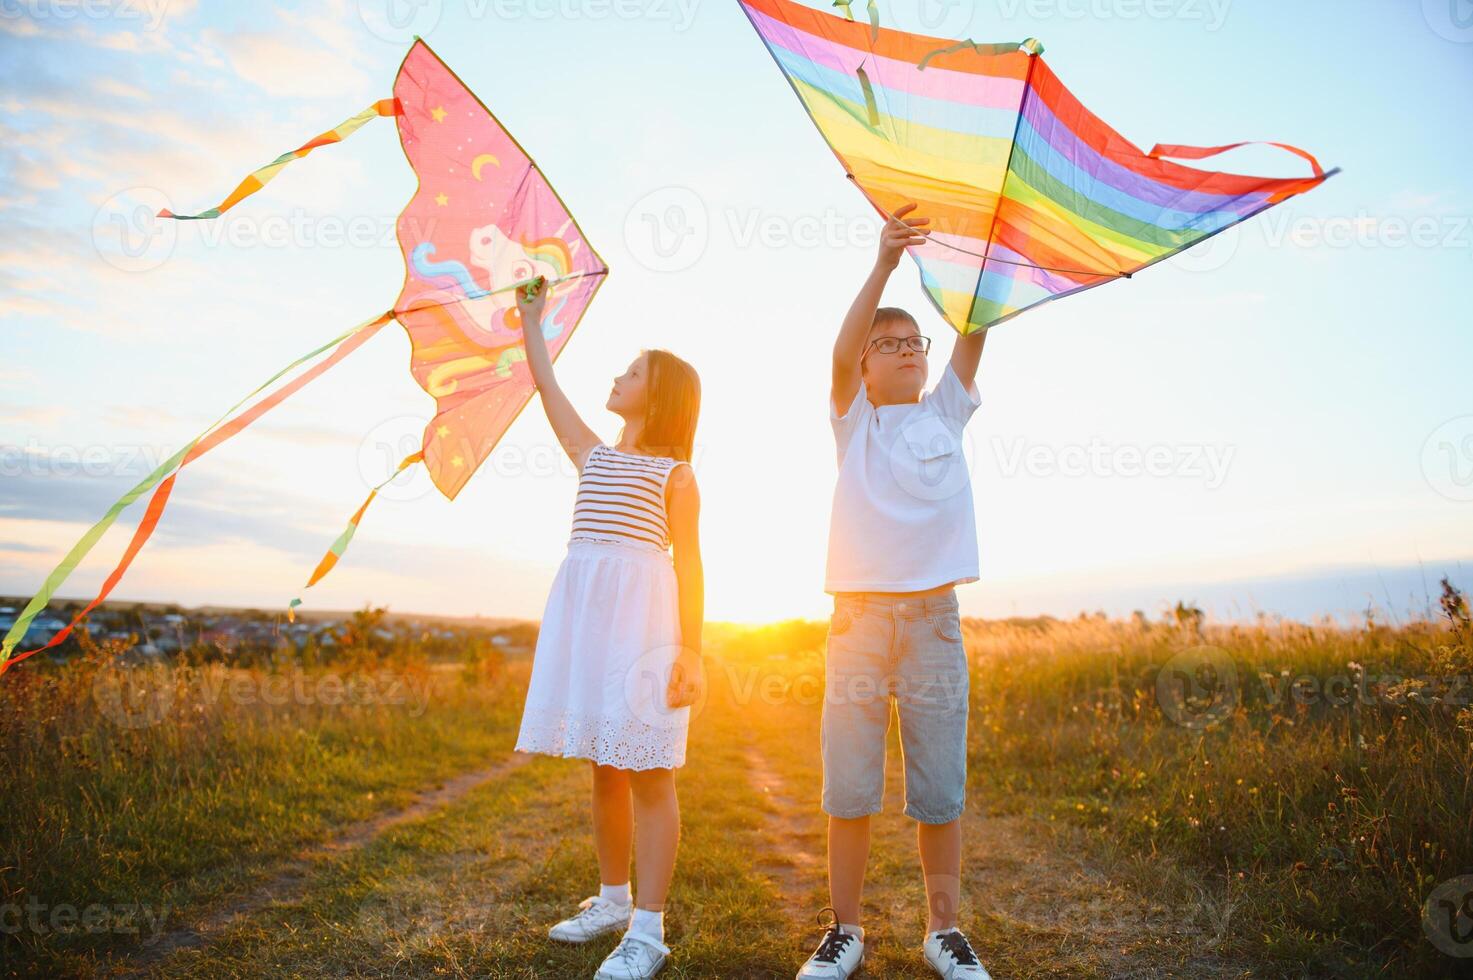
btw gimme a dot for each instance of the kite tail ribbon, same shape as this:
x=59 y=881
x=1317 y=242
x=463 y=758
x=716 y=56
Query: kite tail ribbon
x=1203 y=152
x=161 y=481
x=341 y=544
x=260 y=178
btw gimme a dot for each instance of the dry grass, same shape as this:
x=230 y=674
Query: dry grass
x=1145 y=800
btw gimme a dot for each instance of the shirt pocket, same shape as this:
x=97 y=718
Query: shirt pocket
x=928 y=439
x=927 y=458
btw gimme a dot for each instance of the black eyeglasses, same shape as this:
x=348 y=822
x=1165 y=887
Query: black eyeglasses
x=889 y=345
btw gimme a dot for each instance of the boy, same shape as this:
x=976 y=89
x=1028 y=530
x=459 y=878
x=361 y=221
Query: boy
x=902 y=535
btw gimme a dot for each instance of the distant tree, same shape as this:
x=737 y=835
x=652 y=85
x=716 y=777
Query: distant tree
x=358 y=631
x=1188 y=617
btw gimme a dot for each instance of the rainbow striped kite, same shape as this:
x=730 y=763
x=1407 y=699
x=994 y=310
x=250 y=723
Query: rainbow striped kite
x=1031 y=196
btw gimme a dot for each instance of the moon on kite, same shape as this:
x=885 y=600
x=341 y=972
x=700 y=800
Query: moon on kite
x=482 y=159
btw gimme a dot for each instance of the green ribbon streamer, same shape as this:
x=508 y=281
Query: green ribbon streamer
x=873 y=9
x=1031 y=45
x=80 y=549
x=869 y=97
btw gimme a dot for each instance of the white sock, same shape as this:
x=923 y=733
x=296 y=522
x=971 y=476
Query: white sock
x=855 y=931
x=649 y=923
x=615 y=893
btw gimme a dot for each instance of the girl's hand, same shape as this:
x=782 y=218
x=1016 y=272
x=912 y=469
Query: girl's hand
x=687 y=680
x=899 y=234
x=531 y=297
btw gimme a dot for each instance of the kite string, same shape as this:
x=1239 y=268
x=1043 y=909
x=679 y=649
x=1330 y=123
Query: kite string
x=212 y=436
x=994 y=258
x=336 y=550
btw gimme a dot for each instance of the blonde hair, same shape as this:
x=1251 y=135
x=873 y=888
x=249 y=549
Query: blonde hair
x=672 y=405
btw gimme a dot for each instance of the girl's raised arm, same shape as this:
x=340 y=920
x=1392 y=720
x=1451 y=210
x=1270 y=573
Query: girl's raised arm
x=571 y=431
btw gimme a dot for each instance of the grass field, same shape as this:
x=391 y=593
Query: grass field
x=1145 y=800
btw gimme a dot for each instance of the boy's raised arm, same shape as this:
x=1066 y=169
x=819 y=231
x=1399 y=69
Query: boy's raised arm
x=899 y=233
x=966 y=355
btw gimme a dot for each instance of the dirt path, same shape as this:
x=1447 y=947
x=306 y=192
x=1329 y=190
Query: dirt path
x=469 y=882
x=1033 y=904
x=795 y=866
x=285 y=882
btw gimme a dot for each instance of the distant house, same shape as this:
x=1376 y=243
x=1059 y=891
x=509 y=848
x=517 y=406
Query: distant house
x=43 y=628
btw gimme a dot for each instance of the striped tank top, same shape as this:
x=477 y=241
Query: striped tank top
x=621 y=497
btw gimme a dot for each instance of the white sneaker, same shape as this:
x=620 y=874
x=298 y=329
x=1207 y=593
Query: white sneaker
x=838 y=957
x=637 y=956
x=952 y=956
x=598 y=916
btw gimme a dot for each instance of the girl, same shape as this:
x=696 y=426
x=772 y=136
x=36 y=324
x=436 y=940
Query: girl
x=618 y=660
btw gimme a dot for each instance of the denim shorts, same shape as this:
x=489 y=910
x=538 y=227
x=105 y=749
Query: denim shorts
x=906 y=650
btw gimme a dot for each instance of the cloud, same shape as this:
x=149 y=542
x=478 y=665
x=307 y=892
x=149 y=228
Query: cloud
x=204 y=508
x=27 y=414
x=312 y=54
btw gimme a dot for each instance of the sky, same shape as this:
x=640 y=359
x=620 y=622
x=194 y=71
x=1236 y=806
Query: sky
x=1279 y=421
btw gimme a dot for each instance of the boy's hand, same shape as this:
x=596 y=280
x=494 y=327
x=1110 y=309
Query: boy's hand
x=687 y=680
x=899 y=234
x=531 y=297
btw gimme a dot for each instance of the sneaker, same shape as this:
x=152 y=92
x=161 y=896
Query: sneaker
x=637 y=956
x=838 y=956
x=598 y=915
x=952 y=956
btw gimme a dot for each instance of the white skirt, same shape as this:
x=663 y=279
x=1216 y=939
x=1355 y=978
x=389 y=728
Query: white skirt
x=609 y=635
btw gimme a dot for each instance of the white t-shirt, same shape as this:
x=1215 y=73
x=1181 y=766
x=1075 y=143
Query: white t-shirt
x=903 y=518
